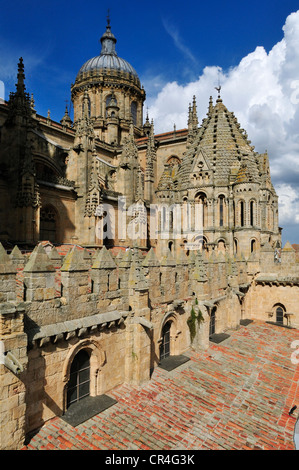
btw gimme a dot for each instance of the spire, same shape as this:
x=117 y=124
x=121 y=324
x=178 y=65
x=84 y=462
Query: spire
x=21 y=77
x=210 y=106
x=19 y=101
x=189 y=117
x=194 y=114
x=66 y=120
x=192 y=121
x=147 y=125
x=108 y=40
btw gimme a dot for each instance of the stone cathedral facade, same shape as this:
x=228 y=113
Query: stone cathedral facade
x=121 y=248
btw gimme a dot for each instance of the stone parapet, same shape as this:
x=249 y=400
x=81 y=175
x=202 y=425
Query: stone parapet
x=116 y=305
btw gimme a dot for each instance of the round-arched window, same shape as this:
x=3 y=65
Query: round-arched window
x=79 y=382
x=279 y=314
x=165 y=344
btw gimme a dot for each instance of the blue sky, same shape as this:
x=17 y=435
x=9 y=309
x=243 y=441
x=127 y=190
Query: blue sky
x=177 y=49
x=172 y=40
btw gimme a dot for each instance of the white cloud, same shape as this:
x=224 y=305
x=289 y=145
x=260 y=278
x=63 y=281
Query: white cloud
x=178 y=41
x=263 y=92
x=289 y=204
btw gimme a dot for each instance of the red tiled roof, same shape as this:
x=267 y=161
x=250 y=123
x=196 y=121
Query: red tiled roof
x=234 y=396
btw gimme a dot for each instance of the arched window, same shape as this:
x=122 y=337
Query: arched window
x=134 y=112
x=221 y=246
x=165 y=344
x=235 y=246
x=252 y=246
x=242 y=213
x=221 y=210
x=201 y=242
x=164 y=218
x=251 y=212
x=45 y=172
x=48 y=224
x=279 y=314
x=78 y=386
x=201 y=199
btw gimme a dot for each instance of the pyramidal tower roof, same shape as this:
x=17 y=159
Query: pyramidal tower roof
x=223 y=143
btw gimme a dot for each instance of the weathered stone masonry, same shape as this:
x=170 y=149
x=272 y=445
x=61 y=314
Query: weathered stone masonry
x=115 y=307
x=125 y=304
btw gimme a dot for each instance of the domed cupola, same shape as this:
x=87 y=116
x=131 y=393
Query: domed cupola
x=105 y=76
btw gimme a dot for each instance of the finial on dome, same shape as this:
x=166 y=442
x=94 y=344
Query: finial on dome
x=108 y=40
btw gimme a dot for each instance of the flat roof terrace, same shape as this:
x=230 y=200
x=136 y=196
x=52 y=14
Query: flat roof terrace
x=234 y=396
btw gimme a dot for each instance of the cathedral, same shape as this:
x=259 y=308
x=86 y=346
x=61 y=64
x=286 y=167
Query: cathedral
x=122 y=248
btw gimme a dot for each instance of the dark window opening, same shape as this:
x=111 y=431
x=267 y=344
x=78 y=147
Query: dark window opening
x=279 y=315
x=242 y=213
x=221 y=206
x=165 y=345
x=79 y=383
x=24 y=292
x=212 y=326
x=48 y=224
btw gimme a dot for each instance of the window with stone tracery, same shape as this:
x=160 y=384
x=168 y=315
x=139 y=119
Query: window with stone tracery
x=134 y=112
x=48 y=224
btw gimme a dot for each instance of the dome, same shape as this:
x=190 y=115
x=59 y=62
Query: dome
x=108 y=59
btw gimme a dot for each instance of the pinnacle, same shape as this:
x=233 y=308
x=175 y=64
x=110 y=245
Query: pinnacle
x=151 y=258
x=74 y=260
x=103 y=260
x=39 y=261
